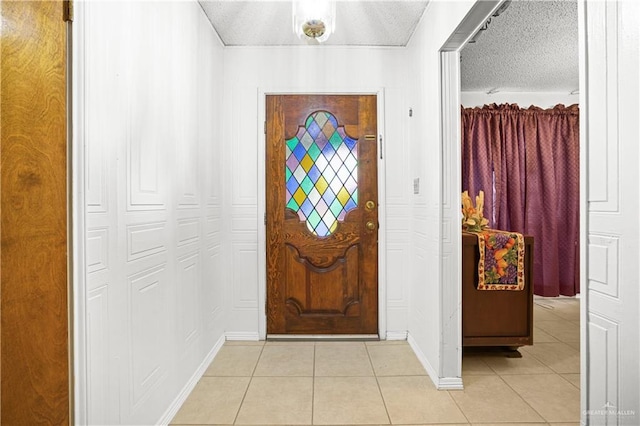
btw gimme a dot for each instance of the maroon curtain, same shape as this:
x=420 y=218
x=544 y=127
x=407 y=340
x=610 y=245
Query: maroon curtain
x=527 y=163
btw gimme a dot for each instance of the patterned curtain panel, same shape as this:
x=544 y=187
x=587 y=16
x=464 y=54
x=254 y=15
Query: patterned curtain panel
x=527 y=162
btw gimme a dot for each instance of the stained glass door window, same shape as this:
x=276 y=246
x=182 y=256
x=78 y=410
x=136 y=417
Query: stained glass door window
x=321 y=173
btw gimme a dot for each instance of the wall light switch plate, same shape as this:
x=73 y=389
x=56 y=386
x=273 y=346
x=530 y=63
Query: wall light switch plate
x=416 y=186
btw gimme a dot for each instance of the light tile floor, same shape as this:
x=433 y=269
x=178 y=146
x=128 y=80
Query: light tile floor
x=376 y=383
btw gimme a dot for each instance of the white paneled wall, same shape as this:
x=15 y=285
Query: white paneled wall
x=151 y=102
x=168 y=125
x=249 y=74
x=610 y=76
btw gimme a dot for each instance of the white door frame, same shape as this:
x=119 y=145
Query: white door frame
x=451 y=249
x=382 y=216
x=77 y=163
x=450 y=374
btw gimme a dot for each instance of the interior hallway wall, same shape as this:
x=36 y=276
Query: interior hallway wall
x=151 y=79
x=252 y=71
x=426 y=327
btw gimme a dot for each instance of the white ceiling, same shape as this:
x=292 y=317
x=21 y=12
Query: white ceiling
x=531 y=46
x=358 y=23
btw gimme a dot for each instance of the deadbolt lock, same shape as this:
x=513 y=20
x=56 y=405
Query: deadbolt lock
x=369 y=205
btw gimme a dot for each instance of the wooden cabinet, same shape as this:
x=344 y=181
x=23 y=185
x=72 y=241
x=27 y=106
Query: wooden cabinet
x=495 y=317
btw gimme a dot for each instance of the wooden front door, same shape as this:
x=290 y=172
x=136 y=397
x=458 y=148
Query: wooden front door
x=34 y=335
x=322 y=214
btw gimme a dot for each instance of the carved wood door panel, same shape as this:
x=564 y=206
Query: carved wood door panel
x=322 y=214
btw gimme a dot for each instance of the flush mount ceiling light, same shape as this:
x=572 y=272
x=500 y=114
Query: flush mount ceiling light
x=314 y=20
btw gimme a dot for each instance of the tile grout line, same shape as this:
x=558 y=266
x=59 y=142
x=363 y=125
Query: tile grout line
x=568 y=381
x=554 y=372
x=458 y=405
x=497 y=373
x=248 y=385
x=384 y=403
x=523 y=398
x=313 y=384
x=544 y=363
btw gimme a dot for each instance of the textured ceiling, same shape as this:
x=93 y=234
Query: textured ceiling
x=532 y=46
x=358 y=23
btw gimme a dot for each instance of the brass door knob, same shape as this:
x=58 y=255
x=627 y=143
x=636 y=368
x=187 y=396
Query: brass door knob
x=371 y=226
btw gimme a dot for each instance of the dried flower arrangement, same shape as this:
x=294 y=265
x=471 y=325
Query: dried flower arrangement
x=472 y=219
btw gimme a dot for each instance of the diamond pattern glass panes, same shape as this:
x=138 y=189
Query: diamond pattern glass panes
x=321 y=173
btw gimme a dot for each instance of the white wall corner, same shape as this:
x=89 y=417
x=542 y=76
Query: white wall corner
x=451 y=238
x=191 y=384
x=441 y=383
x=396 y=335
x=252 y=336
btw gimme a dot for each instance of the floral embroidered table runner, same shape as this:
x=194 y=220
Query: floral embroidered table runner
x=501 y=265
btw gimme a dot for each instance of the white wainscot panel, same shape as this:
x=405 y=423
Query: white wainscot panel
x=187 y=286
x=245 y=276
x=426 y=229
x=244 y=146
x=244 y=219
x=397 y=218
x=150 y=162
x=397 y=182
x=397 y=274
x=418 y=212
x=397 y=322
x=244 y=223
x=213 y=170
x=148 y=331
x=603 y=264
x=98 y=349
x=212 y=283
x=401 y=237
x=188 y=164
x=184 y=113
x=145 y=185
x=446 y=230
x=602 y=120
x=603 y=368
x=145 y=240
x=96 y=181
x=97 y=249
x=188 y=231
x=420 y=274
x=212 y=227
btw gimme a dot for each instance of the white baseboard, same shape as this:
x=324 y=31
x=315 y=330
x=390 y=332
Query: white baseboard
x=450 y=383
x=441 y=383
x=242 y=335
x=423 y=359
x=325 y=337
x=396 y=335
x=188 y=387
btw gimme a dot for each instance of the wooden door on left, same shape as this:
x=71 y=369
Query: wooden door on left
x=34 y=335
